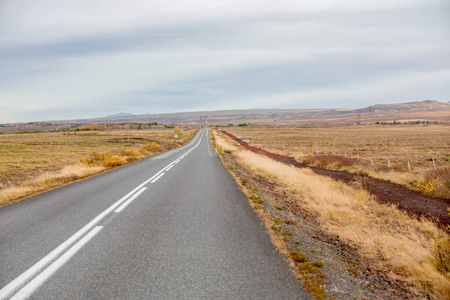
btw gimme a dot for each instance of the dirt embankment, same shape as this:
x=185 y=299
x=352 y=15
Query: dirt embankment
x=414 y=203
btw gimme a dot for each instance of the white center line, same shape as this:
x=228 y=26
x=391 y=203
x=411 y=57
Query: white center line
x=169 y=168
x=27 y=290
x=125 y=204
x=159 y=176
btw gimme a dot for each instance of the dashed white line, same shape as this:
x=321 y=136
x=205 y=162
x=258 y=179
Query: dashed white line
x=169 y=168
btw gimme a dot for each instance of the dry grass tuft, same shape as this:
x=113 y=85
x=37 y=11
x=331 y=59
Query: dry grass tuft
x=387 y=236
x=47 y=180
x=221 y=141
x=153 y=147
x=435 y=182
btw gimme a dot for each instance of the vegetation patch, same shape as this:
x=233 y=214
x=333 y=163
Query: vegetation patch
x=353 y=271
x=396 y=242
x=33 y=162
x=378 y=151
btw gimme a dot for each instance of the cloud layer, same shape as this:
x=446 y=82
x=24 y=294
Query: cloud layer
x=78 y=59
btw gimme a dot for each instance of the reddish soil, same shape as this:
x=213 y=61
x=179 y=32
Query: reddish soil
x=414 y=203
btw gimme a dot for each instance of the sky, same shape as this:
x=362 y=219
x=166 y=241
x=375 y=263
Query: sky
x=62 y=59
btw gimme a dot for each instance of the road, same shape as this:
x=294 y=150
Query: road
x=172 y=226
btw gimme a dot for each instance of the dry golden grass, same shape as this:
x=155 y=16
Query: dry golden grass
x=46 y=180
x=33 y=162
x=221 y=141
x=384 y=234
x=398 y=144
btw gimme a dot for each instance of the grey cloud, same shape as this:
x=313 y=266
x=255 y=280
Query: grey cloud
x=198 y=62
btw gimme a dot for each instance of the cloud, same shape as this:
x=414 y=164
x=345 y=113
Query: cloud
x=164 y=56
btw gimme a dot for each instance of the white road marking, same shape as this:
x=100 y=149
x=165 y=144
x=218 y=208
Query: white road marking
x=34 y=271
x=125 y=204
x=169 y=168
x=159 y=176
x=27 y=290
x=36 y=268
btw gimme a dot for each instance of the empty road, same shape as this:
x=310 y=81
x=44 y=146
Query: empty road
x=172 y=226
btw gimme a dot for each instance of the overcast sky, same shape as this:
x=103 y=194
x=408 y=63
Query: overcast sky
x=84 y=58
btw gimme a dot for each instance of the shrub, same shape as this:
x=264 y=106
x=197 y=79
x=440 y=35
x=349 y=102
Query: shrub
x=114 y=161
x=153 y=147
x=94 y=159
x=129 y=152
x=435 y=182
x=179 y=132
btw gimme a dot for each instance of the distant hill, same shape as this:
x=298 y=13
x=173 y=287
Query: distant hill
x=420 y=110
x=122 y=114
x=428 y=110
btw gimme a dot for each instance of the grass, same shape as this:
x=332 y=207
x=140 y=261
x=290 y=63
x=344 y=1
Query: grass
x=33 y=162
x=351 y=148
x=407 y=248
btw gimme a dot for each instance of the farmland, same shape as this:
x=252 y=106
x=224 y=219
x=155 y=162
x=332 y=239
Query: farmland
x=32 y=162
x=379 y=151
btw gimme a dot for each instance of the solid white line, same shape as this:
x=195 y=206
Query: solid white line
x=154 y=180
x=36 y=268
x=27 y=290
x=14 y=285
x=169 y=168
x=125 y=204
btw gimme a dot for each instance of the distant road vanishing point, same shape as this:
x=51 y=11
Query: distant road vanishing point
x=172 y=226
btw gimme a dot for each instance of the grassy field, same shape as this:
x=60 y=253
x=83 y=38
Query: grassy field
x=409 y=250
x=379 y=151
x=33 y=162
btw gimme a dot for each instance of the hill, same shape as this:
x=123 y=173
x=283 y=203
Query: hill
x=421 y=110
x=429 y=110
x=122 y=114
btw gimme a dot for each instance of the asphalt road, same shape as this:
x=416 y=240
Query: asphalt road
x=172 y=226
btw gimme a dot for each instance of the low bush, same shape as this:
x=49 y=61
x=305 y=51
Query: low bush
x=435 y=183
x=94 y=159
x=114 y=161
x=153 y=147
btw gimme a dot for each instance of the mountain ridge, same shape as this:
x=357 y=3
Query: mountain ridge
x=425 y=110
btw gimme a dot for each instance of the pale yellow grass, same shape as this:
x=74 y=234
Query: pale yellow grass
x=228 y=145
x=384 y=234
x=47 y=180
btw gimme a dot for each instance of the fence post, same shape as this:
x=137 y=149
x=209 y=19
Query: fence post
x=372 y=161
x=389 y=163
x=409 y=166
x=434 y=163
x=357 y=156
x=345 y=154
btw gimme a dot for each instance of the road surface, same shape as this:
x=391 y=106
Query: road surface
x=172 y=226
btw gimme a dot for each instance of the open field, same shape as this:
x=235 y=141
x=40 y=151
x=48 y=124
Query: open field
x=379 y=151
x=312 y=218
x=33 y=162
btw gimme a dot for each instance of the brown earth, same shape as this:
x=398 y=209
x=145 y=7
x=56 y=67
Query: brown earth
x=414 y=203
